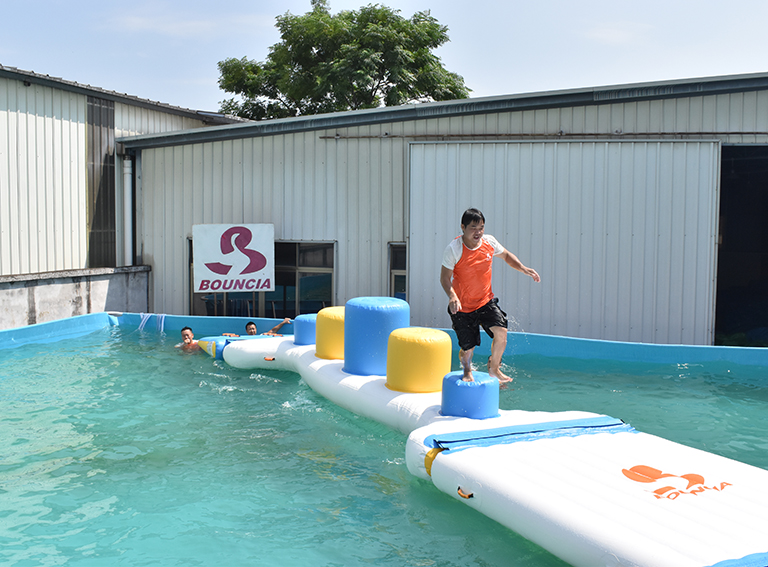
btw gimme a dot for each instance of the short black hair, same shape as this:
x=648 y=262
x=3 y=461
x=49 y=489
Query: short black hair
x=187 y=329
x=250 y=323
x=472 y=215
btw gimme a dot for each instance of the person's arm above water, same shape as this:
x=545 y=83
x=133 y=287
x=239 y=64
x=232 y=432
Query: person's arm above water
x=277 y=327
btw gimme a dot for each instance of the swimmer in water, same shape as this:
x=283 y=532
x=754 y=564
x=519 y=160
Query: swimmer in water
x=251 y=329
x=188 y=342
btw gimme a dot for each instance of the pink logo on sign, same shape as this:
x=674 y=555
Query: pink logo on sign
x=243 y=236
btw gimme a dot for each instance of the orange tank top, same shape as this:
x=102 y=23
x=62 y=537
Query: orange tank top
x=472 y=276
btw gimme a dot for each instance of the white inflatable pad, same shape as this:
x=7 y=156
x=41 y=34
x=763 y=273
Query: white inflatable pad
x=595 y=492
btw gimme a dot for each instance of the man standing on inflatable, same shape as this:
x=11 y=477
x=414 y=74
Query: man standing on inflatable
x=466 y=279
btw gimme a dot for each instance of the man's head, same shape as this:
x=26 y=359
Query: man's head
x=470 y=216
x=250 y=328
x=472 y=227
x=187 y=335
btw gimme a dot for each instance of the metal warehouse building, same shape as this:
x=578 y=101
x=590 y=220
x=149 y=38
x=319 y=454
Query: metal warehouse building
x=642 y=206
x=61 y=194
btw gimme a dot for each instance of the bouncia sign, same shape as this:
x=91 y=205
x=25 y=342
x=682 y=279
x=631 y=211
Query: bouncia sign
x=234 y=257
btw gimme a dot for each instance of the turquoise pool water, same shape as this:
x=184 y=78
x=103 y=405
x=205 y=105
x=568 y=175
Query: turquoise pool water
x=717 y=406
x=116 y=449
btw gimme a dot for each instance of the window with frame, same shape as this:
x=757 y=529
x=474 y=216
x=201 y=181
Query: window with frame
x=303 y=284
x=397 y=270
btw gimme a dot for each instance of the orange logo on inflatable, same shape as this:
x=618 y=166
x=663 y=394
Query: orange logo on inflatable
x=675 y=485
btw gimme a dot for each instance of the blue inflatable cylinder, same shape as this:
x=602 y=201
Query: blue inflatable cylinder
x=368 y=322
x=478 y=399
x=220 y=344
x=304 y=329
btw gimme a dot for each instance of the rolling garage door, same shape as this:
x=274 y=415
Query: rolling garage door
x=623 y=234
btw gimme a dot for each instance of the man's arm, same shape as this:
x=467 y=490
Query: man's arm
x=277 y=327
x=514 y=262
x=446 y=277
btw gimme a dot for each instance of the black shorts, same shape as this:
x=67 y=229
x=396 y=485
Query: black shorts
x=467 y=325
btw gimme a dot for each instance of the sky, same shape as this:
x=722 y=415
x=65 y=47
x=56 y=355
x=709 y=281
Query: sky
x=168 y=50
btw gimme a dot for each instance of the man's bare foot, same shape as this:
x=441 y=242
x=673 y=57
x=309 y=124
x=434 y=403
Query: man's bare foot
x=468 y=376
x=503 y=378
x=498 y=374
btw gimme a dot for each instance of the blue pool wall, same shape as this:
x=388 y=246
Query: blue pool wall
x=525 y=343
x=594 y=349
x=517 y=343
x=171 y=325
x=60 y=329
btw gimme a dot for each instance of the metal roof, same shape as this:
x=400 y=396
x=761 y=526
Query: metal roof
x=503 y=103
x=30 y=78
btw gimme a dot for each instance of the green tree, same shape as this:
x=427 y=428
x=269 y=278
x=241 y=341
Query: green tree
x=355 y=59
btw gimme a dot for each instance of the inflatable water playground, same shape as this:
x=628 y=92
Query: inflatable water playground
x=587 y=487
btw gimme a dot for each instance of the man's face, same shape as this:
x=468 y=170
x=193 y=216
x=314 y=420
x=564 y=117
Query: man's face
x=250 y=329
x=187 y=336
x=472 y=233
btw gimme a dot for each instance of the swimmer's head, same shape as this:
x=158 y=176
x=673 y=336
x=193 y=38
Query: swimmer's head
x=187 y=335
x=250 y=328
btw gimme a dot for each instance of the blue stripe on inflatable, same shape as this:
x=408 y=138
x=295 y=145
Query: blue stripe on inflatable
x=456 y=441
x=755 y=560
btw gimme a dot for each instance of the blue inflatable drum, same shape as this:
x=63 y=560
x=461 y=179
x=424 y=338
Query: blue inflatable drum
x=367 y=326
x=304 y=329
x=478 y=399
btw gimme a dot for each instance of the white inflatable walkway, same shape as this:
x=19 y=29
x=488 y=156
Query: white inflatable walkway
x=367 y=396
x=586 y=487
x=595 y=492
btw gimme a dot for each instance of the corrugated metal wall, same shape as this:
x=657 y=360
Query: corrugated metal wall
x=623 y=234
x=44 y=176
x=349 y=191
x=354 y=190
x=736 y=118
x=136 y=120
x=42 y=179
x=132 y=121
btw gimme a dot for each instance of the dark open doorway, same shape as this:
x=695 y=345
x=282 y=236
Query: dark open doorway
x=741 y=316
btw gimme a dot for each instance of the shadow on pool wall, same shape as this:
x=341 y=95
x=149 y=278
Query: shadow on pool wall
x=517 y=343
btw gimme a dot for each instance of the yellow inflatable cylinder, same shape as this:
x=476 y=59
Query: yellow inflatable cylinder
x=417 y=359
x=329 y=333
